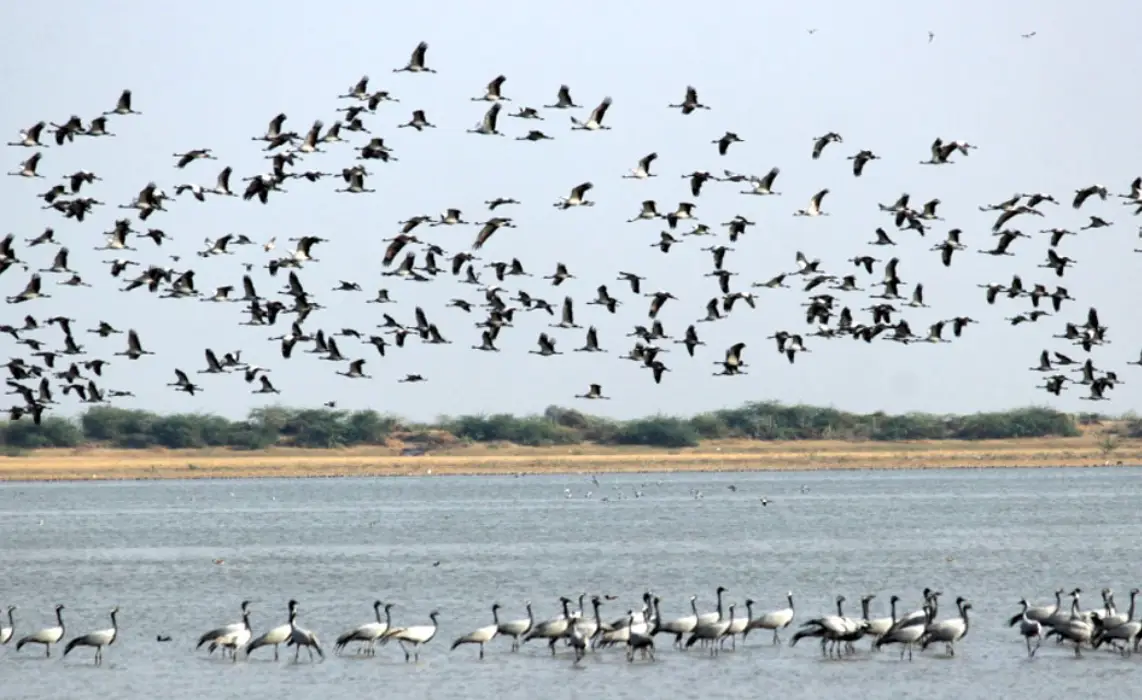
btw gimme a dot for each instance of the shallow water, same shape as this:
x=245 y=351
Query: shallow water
x=992 y=536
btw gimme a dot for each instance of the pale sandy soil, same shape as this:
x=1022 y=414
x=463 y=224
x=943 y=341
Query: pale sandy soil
x=99 y=463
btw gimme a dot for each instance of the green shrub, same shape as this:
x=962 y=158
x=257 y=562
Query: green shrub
x=322 y=428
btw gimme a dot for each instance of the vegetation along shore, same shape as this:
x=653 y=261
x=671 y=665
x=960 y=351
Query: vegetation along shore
x=112 y=443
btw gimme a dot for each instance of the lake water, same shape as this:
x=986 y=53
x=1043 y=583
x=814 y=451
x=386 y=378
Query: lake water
x=335 y=545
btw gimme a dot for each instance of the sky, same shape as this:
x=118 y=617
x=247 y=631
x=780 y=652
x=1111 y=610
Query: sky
x=1051 y=113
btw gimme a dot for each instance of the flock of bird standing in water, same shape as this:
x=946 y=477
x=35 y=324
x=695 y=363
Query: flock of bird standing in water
x=584 y=630
x=408 y=259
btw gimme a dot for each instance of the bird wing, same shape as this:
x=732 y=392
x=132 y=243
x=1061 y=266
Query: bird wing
x=418 y=53
x=599 y=112
x=491 y=116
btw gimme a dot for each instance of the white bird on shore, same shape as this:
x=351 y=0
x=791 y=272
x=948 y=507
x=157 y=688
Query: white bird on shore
x=46 y=636
x=1030 y=629
x=277 y=635
x=482 y=635
x=300 y=637
x=775 y=620
x=97 y=639
x=415 y=636
x=948 y=631
x=369 y=633
x=517 y=628
x=711 y=632
x=6 y=632
x=224 y=630
x=906 y=633
x=235 y=640
x=680 y=626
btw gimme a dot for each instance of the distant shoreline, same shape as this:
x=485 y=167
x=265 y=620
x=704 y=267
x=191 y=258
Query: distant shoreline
x=102 y=464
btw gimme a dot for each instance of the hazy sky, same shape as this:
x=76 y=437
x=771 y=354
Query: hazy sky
x=1052 y=113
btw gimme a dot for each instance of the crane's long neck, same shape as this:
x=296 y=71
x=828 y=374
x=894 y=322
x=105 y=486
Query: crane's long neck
x=720 y=603
x=892 y=610
x=530 y=615
x=864 y=607
x=694 y=606
x=59 y=617
x=496 y=615
x=566 y=610
x=790 y=598
x=246 y=620
x=1129 y=613
x=964 y=615
x=377 y=612
x=114 y=621
x=598 y=620
x=840 y=607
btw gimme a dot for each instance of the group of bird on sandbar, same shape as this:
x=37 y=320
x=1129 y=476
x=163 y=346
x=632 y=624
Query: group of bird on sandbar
x=60 y=363
x=583 y=630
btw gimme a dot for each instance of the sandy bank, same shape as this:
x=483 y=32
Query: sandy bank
x=99 y=463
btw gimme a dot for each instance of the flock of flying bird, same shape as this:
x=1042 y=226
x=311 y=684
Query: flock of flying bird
x=584 y=629
x=408 y=260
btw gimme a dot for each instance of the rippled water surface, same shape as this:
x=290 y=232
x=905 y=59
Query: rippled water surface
x=992 y=536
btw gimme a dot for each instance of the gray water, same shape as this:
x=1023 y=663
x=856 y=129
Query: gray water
x=335 y=545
